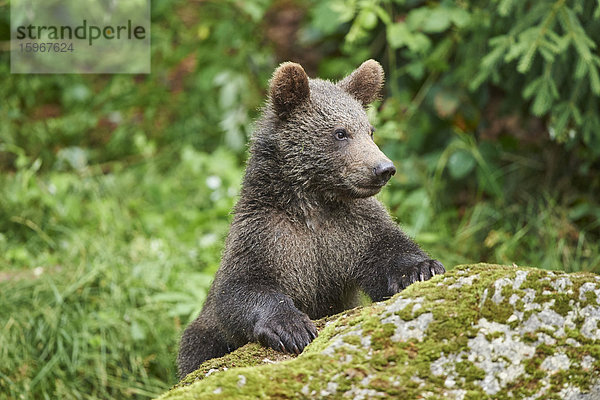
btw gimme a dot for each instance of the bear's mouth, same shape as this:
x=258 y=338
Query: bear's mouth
x=367 y=190
x=362 y=186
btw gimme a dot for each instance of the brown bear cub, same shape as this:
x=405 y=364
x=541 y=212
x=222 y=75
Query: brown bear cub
x=307 y=234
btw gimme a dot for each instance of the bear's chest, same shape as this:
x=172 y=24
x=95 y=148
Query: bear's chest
x=325 y=244
x=315 y=261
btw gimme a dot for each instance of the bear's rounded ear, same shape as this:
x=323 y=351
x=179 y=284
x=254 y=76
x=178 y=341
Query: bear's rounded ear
x=288 y=88
x=365 y=83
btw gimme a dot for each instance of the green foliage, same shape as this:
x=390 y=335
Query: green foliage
x=552 y=48
x=544 y=47
x=205 y=87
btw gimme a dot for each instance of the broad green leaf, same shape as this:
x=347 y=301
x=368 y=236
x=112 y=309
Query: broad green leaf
x=327 y=17
x=416 y=69
x=419 y=43
x=460 y=17
x=461 y=163
x=344 y=9
x=368 y=19
x=437 y=21
x=432 y=20
x=416 y=18
x=398 y=35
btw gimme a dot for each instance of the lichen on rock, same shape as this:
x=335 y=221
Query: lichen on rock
x=479 y=331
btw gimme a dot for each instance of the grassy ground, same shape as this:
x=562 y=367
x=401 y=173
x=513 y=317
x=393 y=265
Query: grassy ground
x=94 y=292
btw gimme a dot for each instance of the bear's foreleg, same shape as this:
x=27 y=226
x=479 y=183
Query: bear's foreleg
x=267 y=317
x=393 y=263
x=201 y=341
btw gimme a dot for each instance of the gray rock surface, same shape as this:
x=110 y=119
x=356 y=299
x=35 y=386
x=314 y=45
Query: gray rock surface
x=477 y=332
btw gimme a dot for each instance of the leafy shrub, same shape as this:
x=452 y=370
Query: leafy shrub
x=208 y=72
x=540 y=54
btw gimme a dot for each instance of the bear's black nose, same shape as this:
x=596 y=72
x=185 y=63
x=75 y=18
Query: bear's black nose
x=384 y=170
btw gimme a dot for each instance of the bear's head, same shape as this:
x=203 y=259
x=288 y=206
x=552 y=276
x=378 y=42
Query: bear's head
x=321 y=134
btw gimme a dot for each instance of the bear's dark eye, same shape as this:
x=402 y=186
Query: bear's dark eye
x=372 y=132
x=341 y=134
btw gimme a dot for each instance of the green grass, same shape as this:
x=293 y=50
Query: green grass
x=101 y=271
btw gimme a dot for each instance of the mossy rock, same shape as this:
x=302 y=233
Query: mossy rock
x=477 y=332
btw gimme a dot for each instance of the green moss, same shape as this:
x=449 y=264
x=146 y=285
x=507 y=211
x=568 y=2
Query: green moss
x=494 y=335
x=522 y=388
x=380 y=338
x=591 y=298
x=382 y=385
x=496 y=312
x=593 y=351
x=249 y=355
x=473 y=395
x=578 y=378
x=352 y=339
x=543 y=350
x=561 y=304
x=469 y=371
x=529 y=337
x=403 y=369
x=371 y=323
x=532 y=366
x=407 y=313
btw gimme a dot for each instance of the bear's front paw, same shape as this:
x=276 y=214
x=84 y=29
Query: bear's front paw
x=420 y=271
x=288 y=332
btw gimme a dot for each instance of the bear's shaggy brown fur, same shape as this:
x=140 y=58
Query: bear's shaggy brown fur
x=307 y=234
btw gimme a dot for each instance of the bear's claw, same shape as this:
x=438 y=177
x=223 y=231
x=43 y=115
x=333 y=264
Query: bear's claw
x=422 y=271
x=288 y=332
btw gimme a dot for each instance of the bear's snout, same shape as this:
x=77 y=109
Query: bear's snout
x=384 y=171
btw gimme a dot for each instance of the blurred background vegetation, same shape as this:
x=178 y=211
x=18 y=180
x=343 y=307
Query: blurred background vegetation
x=115 y=190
